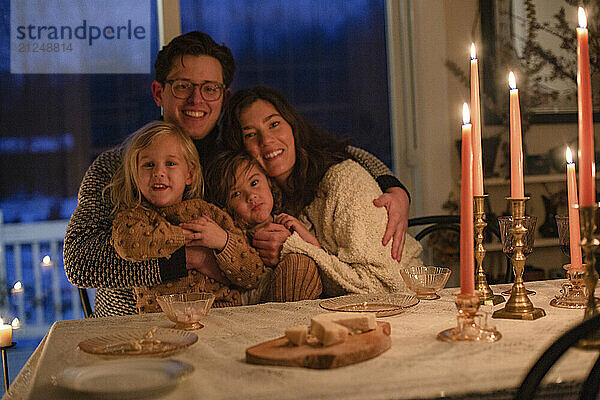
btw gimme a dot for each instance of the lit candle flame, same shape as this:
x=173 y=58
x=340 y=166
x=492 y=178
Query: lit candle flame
x=569 y=155
x=46 y=260
x=473 y=54
x=512 y=81
x=17 y=288
x=466 y=114
x=16 y=324
x=582 y=18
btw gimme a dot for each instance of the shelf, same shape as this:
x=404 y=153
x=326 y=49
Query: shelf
x=546 y=178
x=539 y=242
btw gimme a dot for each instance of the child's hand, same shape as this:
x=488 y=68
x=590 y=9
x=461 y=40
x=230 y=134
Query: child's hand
x=294 y=225
x=203 y=260
x=204 y=232
x=269 y=240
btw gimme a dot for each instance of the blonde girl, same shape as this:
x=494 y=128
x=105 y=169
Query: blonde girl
x=153 y=195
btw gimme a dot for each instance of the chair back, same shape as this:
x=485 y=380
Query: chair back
x=435 y=223
x=85 y=302
x=533 y=379
x=448 y=227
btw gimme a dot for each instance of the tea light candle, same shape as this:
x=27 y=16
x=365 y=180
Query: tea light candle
x=5 y=334
x=17 y=288
x=46 y=261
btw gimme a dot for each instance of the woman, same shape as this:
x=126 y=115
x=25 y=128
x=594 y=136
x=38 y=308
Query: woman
x=321 y=184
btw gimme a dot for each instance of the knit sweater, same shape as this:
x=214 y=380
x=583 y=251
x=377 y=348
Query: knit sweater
x=349 y=228
x=91 y=261
x=139 y=234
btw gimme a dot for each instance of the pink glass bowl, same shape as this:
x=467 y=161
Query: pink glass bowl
x=425 y=281
x=186 y=309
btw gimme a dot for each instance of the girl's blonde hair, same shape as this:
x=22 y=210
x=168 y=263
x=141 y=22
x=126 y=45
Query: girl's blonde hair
x=124 y=186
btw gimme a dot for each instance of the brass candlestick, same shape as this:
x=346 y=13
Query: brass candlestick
x=471 y=325
x=518 y=306
x=486 y=294
x=589 y=245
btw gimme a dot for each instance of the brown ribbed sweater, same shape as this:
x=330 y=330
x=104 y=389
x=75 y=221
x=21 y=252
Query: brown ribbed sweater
x=139 y=234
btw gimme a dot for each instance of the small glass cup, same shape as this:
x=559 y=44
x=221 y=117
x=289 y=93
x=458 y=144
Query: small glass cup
x=508 y=241
x=186 y=309
x=425 y=280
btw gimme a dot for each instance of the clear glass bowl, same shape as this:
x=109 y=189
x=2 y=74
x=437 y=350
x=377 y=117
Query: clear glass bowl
x=425 y=281
x=186 y=309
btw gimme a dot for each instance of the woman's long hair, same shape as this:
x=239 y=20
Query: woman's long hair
x=124 y=187
x=316 y=149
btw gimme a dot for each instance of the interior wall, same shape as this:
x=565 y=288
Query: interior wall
x=436 y=29
x=443 y=30
x=462 y=29
x=169 y=24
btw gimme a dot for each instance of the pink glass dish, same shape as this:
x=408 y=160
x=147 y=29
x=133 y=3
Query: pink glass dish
x=186 y=309
x=425 y=281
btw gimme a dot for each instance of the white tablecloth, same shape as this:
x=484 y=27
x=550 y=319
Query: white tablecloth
x=417 y=365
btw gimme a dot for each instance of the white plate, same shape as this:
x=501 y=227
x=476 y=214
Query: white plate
x=163 y=342
x=383 y=305
x=124 y=379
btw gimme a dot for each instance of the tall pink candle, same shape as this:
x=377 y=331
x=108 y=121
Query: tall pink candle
x=467 y=251
x=574 y=232
x=516 y=147
x=587 y=167
x=476 y=120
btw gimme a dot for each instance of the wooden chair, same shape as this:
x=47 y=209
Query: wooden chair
x=85 y=302
x=435 y=223
x=590 y=387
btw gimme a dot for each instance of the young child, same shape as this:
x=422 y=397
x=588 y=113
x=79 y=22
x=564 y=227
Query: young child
x=239 y=185
x=159 y=171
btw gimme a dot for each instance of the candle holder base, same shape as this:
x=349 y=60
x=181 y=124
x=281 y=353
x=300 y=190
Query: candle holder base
x=471 y=325
x=519 y=306
x=509 y=292
x=572 y=295
x=522 y=315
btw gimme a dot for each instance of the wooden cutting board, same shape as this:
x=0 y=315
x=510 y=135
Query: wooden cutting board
x=355 y=349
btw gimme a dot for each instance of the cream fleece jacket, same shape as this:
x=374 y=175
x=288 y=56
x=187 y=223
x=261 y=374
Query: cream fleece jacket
x=350 y=228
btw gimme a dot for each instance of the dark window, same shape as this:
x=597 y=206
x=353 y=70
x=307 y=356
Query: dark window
x=328 y=57
x=54 y=125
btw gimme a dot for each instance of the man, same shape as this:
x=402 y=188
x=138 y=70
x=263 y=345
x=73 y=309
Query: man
x=193 y=78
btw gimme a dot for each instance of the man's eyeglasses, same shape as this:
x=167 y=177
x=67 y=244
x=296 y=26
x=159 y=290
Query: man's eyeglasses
x=183 y=89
